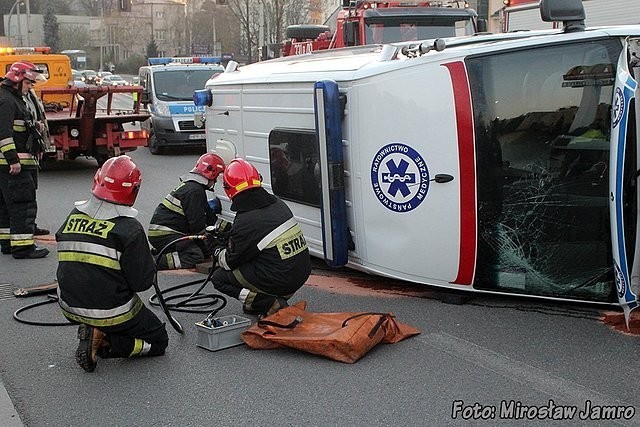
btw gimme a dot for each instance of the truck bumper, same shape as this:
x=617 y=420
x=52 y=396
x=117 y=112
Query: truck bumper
x=164 y=129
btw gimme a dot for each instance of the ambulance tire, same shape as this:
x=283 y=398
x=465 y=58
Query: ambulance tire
x=306 y=31
x=154 y=148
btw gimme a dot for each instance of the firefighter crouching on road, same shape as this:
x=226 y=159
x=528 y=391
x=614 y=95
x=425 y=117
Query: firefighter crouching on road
x=266 y=259
x=185 y=211
x=103 y=261
x=19 y=151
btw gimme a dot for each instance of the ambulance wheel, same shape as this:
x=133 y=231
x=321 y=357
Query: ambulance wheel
x=154 y=148
x=306 y=31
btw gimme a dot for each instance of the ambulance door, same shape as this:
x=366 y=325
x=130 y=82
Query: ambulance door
x=544 y=156
x=416 y=206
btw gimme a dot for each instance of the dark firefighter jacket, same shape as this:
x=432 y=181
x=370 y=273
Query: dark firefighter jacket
x=184 y=211
x=266 y=245
x=14 y=135
x=102 y=263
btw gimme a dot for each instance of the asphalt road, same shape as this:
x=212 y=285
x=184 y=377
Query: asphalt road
x=489 y=351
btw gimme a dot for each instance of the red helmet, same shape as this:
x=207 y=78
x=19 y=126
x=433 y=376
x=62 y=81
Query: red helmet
x=209 y=165
x=117 y=181
x=240 y=175
x=22 y=70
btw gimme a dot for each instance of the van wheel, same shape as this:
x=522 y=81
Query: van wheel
x=301 y=32
x=154 y=148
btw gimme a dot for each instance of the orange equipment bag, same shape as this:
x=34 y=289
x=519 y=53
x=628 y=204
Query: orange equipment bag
x=344 y=337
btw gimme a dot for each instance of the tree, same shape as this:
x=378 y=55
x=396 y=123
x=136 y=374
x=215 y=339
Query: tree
x=51 y=29
x=74 y=37
x=152 y=49
x=278 y=14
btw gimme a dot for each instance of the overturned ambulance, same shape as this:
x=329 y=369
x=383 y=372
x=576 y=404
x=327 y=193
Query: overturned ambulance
x=494 y=163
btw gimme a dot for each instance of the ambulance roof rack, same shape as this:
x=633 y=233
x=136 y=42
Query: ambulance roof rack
x=182 y=60
x=570 y=12
x=24 y=50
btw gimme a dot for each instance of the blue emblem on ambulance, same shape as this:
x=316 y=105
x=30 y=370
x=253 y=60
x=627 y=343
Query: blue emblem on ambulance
x=399 y=177
x=617 y=109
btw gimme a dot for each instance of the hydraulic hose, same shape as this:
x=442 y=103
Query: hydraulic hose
x=194 y=301
x=51 y=299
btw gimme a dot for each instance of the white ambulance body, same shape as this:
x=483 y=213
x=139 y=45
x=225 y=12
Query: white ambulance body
x=488 y=165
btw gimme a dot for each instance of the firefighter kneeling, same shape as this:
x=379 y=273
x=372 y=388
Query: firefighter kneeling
x=266 y=259
x=184 y=212
x=104 y=260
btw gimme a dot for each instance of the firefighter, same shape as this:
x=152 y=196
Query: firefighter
x=36 y=108
x=19 y=151
x=186 y=211
x=266 y=259
x=103 y=261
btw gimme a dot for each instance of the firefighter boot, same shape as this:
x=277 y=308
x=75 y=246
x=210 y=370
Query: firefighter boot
x=40 y=231
x=34 y=253
x=278 y=303
x=91 y=340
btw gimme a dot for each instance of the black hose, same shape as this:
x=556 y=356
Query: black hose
x=192 y=303
x=51 y=299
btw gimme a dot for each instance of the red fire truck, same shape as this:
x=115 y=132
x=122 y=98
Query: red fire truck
x=364 y=22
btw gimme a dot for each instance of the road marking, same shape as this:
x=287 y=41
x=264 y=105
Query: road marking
x=565 y=391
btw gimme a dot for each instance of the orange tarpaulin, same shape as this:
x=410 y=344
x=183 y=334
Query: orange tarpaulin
x=344 y=337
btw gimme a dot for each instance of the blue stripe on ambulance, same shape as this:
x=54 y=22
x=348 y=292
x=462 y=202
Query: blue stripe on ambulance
x=334 y=208
x=624 y=92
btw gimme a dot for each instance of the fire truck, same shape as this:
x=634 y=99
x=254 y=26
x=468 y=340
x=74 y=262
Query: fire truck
x=470 y=163
x=78 y=124
x=364 y=22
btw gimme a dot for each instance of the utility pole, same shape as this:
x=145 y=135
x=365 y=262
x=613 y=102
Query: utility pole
x=28 y=8
x=101 y=31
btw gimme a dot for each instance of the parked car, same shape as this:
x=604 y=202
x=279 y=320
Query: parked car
x=101 y=75
x=89 y=77
x=113 y=80
x=78 y=79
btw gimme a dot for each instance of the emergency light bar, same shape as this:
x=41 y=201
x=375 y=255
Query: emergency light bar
x=185 y=60
x=24 y=50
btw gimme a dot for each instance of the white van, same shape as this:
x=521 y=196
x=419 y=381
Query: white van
x=493 y=163
x=168 y=85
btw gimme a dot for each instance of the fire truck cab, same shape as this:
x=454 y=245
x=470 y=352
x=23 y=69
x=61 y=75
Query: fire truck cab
x=370 y=22
x=471 y=163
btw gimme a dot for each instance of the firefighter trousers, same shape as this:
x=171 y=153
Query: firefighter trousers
x=184 y=254
x=18 y=210
x=144 y=335
x=253 y=299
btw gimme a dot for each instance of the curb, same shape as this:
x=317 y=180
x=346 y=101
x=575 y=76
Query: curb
x=8 y=415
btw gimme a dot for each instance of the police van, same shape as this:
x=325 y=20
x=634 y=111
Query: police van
x=497 y=163
x=168 y=85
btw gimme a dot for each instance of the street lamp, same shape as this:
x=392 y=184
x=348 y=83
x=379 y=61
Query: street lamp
x=16 y=6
